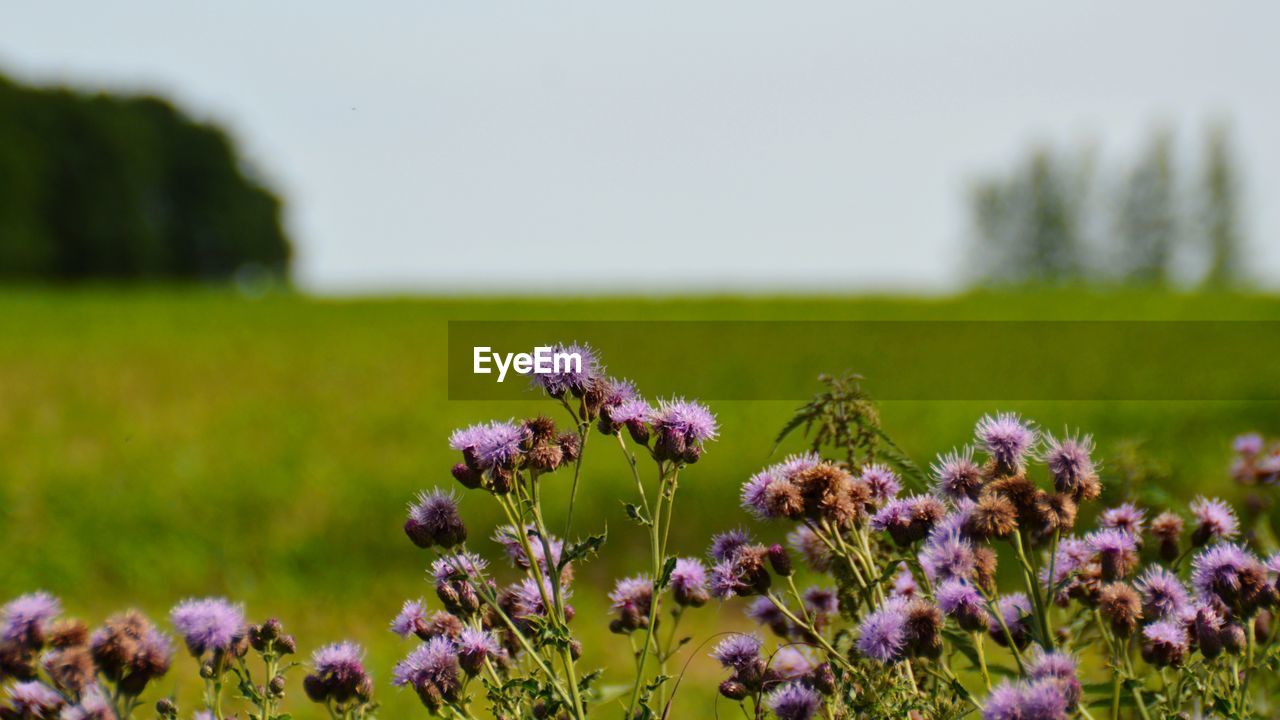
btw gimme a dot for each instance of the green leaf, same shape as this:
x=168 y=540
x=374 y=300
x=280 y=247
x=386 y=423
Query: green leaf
x=667 y=568
x=633 y=512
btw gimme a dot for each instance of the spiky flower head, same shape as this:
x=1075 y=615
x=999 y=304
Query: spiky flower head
x=904 y=583
x=1165 y=643
x=1248 y=445
x=1070 y=462
x=1007 y=438
x=1127 y=517
x=208 y=624
x=724 y=545
x=959 y=600
x=1015 y=611
x=882 y=635
x=489 y=446
x=794 y=701
x=434 y=520
x=340 y=665
x=571 y=377
x=1026 y=700
x=682 y=428
x=738 y=651
x=432 y=671
x=946 y=557
x=771 y=481
x=632 y=598
x=821 y=600
x=474 y=647
x=882 y=481
x=411 y=618
x=1215 y=520
x=458 y=566
x=1058 y=668
x=1163 y=594
x=1116 y=550
x=689 y=582
x=957 y=476
x=24 y=619
x=790 y=662
x=1231 y=575
x=32 y=701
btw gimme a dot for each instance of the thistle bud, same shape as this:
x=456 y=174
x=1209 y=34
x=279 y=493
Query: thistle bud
x=779 y=560
x=733 y=689
x=166 y=709
x=823 y=679
x=277 y=686
x=467 y=477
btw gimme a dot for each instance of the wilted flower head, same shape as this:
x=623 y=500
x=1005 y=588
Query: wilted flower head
x=33 y=700
x=1215 y=520
x=794 y=701
x=434 y=520
x=882 y=635
x=909 y=519
x=24 y=618
x=738 y=651
x=689 y=582
x=882 y=481
x=1163 y=594
x=957 y=476
x=209 y=624
x=1006 y=437
x=486 y=446
x=771 y=481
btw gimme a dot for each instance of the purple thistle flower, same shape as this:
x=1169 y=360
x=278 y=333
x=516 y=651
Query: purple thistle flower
x=33 y=700
x=904 y=583
x=509 y=538
x=953 y=522
x=882 y=635
x=496 y=444
x=1215 y=520
x=753 y=490
x=93 y=706
x=616 y=392
x=764 y=612
x=822 y=601
x=1172 y=634
x=1069 y=460
x=458 y=566
x=529 y=597
x=725 y=582
x=1073 y=553
x=956 y=475
x=474 y=646
x=1273 y=563
x=1015 y=610
x=689 y=581
x=790 y=663
x=738 y=651
x=633 y=597
x=1163 y=594
x=895 y=513
x=958 y=599
x=634 y=410
x=435 y=662
x=1116 y=549
x=882 y=482
x=434 y=520
x=1006 y=437
x=1215 y=572
x=1036 y=700
x=794 y=701
x=1248 y=445
x=23 y=619
x=208 y=624
x=1127 y=517
x=411 y=616
x=1060 y=668
x=725 y=544
x=339 y=660
x=690 y=420
x=811 y=547
x=574 y=377
x=946 y=557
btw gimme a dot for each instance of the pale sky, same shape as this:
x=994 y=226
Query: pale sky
x=738 y=145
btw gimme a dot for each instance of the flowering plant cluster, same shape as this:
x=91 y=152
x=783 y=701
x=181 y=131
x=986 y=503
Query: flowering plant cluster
x=512 y=641
x=60 y=670
x=916 y=620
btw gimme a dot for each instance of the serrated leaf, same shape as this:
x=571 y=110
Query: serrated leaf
x=633 y=512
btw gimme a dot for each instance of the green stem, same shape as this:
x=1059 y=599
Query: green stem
x=978 y=642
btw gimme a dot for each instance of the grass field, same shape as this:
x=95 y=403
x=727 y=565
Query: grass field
x=161 y=444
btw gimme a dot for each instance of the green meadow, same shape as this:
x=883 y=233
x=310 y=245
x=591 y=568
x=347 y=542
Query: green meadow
x=160 y=444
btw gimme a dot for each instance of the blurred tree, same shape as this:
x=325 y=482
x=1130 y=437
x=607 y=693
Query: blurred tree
x=126 y=188
x=1221 y=211
x=1029 y=227
x=1033 y=225
x=1147 y=223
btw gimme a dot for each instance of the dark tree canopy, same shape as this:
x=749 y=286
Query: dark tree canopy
x=99 y=186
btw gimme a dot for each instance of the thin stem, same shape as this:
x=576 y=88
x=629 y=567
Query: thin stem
x=831 y=651
x=978 y=642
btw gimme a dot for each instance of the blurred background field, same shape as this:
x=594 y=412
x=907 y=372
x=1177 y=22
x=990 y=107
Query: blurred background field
x=161 y=443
